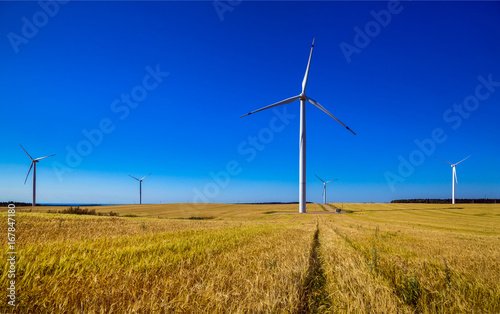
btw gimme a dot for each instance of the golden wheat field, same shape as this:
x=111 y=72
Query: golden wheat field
x=223 y=258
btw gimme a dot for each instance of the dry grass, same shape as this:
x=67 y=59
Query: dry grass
x=92 y=264
x=179 y=211
x=427 y=259
x=382 y=258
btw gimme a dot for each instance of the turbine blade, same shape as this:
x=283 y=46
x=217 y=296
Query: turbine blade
x=28 y=173
x=331 y=181
x=26 y=152
x=462 y=160
x=286 y=101
x=444 y=160
x=306 y=76
x=314 y=102
x=320 y=179
x=45 y=157
x=146 y=177
x=455 y=175
x=134 y=178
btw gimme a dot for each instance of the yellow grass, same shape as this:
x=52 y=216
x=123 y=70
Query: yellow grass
x=382 y=258
x=433 y=258
x=218 y=211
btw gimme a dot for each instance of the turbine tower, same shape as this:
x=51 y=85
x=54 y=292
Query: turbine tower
x=454 y=177
x=140 y=186
x=33 y=165
x=302 y=137
x=324 y=187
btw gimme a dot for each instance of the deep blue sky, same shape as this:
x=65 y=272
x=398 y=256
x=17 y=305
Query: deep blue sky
x=69 y=74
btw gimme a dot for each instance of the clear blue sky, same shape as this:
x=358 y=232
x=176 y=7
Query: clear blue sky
x=69 y=69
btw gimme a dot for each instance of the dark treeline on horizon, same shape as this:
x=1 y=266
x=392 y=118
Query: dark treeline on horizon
x=448 y=201
x=19 y=204
x=5 y=204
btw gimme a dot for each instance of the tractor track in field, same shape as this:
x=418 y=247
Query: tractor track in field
x=314 y=295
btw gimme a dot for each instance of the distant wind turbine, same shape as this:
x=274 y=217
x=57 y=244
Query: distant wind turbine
x=324 y=187
x=302 y=137
x=454 y=178
x=140 y=186
x=33 y=165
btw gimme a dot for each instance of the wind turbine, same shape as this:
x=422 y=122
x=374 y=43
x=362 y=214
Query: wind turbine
x=140 y=186
x=33 y=165
x=302 y=137
x=324 y=187
x=454 y=178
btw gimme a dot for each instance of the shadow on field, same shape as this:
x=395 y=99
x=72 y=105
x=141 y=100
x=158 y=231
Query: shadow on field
x=313 y=295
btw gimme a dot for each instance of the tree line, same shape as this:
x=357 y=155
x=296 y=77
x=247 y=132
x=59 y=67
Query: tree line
x=448 y=201
x=17 y=204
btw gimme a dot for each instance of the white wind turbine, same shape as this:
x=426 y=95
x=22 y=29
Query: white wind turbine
x=33 y=165
x=454 y=178
x=302 y=137
x=140 y=186
x=324 y=187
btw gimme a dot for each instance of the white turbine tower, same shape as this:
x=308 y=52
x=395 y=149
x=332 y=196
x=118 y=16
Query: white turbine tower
x=302 y=137
x=324 y=187
x=33 y=165
x=454 y=177
x=140 y=186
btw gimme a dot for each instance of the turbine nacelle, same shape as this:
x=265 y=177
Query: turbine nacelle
x=140 y=180
x=140 y=186
x=454 y=176
x=33 y=165
x=302 y=141
x=324 y=187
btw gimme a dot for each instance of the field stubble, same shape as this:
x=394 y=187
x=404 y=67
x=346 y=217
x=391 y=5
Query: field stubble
x=259 y=258
x=427 y=259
